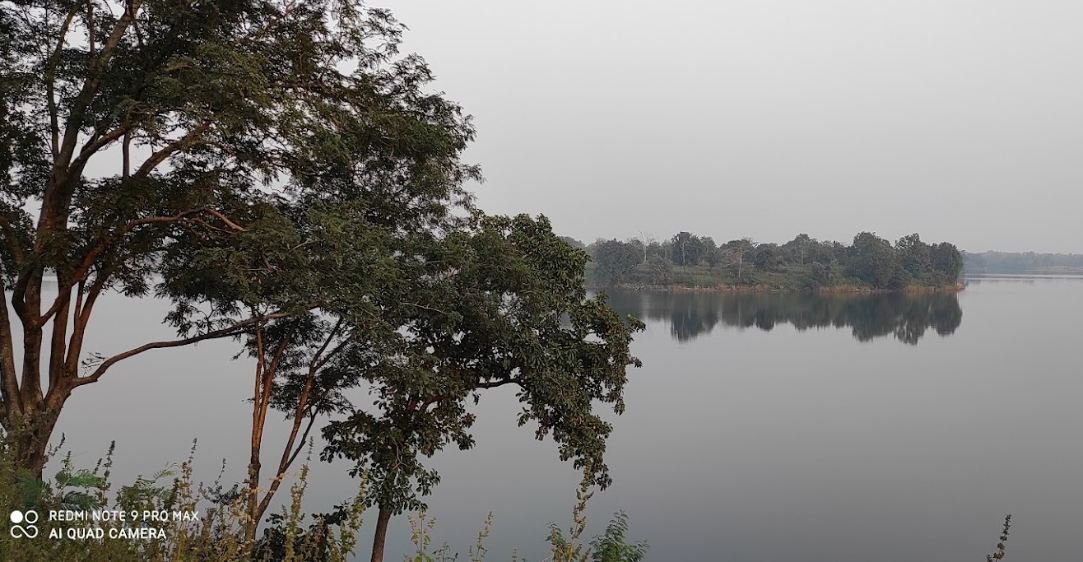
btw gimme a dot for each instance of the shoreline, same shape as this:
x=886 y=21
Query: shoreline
x=767 y=289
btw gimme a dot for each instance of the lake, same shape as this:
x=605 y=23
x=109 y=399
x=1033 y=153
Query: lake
x=760 y=428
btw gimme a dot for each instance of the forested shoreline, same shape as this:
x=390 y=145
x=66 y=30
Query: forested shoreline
x=693 y=262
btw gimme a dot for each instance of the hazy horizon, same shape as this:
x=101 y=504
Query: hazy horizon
x=958 y=120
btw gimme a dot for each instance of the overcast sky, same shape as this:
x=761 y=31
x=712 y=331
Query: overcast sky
x=960 y=120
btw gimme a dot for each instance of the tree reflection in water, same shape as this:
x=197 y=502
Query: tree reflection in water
x=906 y=316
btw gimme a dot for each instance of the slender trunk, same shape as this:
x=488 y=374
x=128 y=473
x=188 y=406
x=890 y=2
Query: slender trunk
x=253 y=496
x=289 y=453
x=380 y=536
x=292 y=448
x=261 y=401
x=256 y=442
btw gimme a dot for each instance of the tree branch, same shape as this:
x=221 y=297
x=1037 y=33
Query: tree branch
x=9 y=381
x=83 y=269
x=234 y=330
x=12 y=240
x=168 y=150
x=90 y=86
x=97 y=142
x=498 y=383
x=50 y=81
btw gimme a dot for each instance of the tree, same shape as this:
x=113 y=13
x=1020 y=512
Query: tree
x=308 y=283
x=657 y=250
x=688 y=249
x=735 y=252
x=707 y=247
x=767 y=257
x=872 y=260
x=215 y=109
x=643 y=242
x=573 y=242
x=947 y=261
x=800 y=249
x=614 y=260
x=715 y=257
x=914 y=257
x=509 y=310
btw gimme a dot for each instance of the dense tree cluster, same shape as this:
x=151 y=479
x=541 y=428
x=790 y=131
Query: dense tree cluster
x=806 y=263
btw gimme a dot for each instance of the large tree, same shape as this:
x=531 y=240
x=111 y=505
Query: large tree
x=736 y=252
x=914 y=257
x=872 y=260
x=302 y=287
x=127 y=128
x=947 y=262
x=505 y=306
x=614 y=260
x=689 y=249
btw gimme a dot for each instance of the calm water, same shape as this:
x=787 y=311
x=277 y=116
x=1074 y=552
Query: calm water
x=761 y=428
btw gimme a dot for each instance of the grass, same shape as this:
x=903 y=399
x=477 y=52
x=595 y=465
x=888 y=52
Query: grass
x=217 y=534
x=289 y=536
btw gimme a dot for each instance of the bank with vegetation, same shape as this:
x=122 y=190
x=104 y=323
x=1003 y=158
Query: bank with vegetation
x=690 y=261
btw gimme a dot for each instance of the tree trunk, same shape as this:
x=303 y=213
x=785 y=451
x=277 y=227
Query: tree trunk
x=380 y=536
x=31 y=442
x=253 y=497
x=31 y=427
x=261 y=401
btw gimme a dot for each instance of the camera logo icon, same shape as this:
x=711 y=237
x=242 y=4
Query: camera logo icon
x=23 y=524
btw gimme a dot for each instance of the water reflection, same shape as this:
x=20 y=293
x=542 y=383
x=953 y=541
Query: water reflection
x=690 y=315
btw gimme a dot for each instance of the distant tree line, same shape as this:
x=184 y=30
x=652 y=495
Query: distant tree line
x=691 y=260
x=1023 y=262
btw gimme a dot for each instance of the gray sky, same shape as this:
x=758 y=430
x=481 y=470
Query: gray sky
x=960 y=120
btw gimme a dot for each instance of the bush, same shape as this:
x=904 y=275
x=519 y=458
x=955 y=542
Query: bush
x=217 y=534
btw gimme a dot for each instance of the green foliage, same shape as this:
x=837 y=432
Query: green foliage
x=872 y=260
x=610 y=546
x=613 y=261
x=947 y=261
x=688 y=260
x=569 y=548
x=82 y=489
x=421 y=526
x=689 y=249
x=613 y=545
x=216 y=535
x=915 y=257
x=255 y=138
x=767 y=257
x=505 y=306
